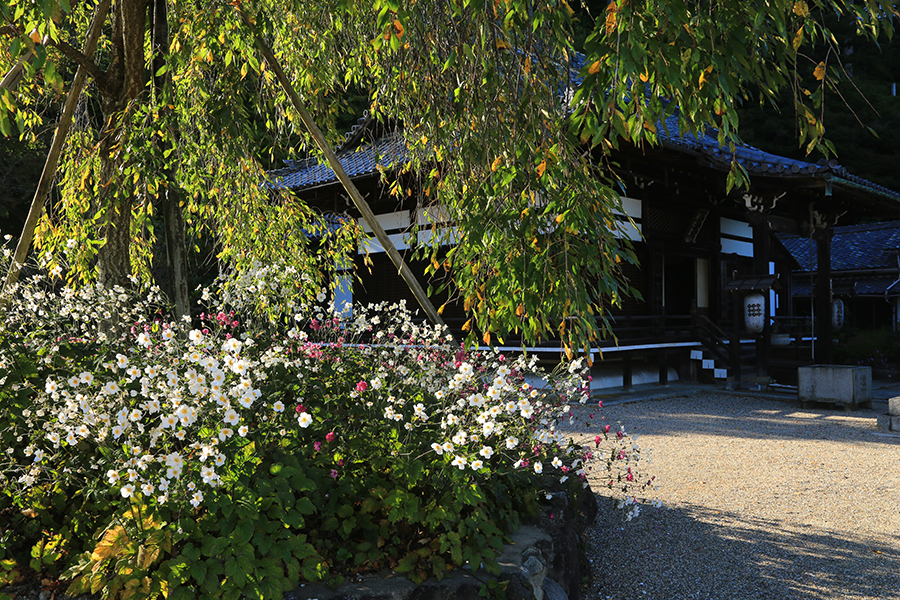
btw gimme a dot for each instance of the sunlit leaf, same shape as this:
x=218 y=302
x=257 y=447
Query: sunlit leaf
x=819 y=72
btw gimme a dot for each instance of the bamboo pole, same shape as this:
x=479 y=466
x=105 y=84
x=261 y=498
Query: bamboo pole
x=11 y=80
x=59 y=137
x=361 y=205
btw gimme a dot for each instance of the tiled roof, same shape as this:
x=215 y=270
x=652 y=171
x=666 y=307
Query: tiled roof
x=759 y=162
x=386 y=152
x=855 y=247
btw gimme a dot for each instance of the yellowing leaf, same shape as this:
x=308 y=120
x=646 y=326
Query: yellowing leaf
x=527 y=65
x=496 y=164
x=645 y=76
x=559 y=218
x=594 y=68
x=520 y=310
x=798 y=39
x=502 y=44
x=467 y=325
x=705 y=75
x=487 y=337
x=801 y=8
x=541 y=168
x=611 y=10
x=820 y=71
x=398 y=28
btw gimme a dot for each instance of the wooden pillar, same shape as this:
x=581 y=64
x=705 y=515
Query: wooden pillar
x=824 y=330
x=627 y=372
x=761 y=252
x=663 y=367
x=737 y=320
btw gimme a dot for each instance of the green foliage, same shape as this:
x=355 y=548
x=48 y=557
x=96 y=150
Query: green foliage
x=494 y=589
x=859 y=112
x=875 y=348
x=46 y=552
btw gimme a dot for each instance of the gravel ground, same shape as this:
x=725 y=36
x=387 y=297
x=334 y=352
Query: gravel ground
x=760 y=500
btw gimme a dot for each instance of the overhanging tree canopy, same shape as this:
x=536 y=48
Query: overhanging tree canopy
x=509 y=130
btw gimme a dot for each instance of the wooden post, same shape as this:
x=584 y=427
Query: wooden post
x=627 y=372
x=824 y=329
x=663 y=367
x=761 y=245
x=735 y=344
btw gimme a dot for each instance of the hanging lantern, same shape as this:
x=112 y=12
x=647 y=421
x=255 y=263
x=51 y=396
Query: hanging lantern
x=754 y=312
x=837 y=314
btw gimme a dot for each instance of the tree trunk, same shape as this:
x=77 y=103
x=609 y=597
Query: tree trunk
x=169 y=198
x=125 y=82
x=176 y=256
x=114 y=258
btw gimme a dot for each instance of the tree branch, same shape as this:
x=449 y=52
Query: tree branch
x=83 y=61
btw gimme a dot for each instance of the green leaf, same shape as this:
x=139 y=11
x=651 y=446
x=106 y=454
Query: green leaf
x=305 y=506
x=198 y=571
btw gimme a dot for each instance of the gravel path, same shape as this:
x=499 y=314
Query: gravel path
x=760 y=500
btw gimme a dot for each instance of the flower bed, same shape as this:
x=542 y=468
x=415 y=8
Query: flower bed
x=231 y=457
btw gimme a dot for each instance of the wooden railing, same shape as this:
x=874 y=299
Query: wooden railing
x=798 y=327
x=637 y=329
x=713 y=338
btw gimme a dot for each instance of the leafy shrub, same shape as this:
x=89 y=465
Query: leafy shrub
x=875 y=348
x=241 y=457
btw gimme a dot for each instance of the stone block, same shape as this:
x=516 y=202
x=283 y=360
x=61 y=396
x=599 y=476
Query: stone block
x=554 y=591
x=889 y=423
x=894 y=406
x=835 y=383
